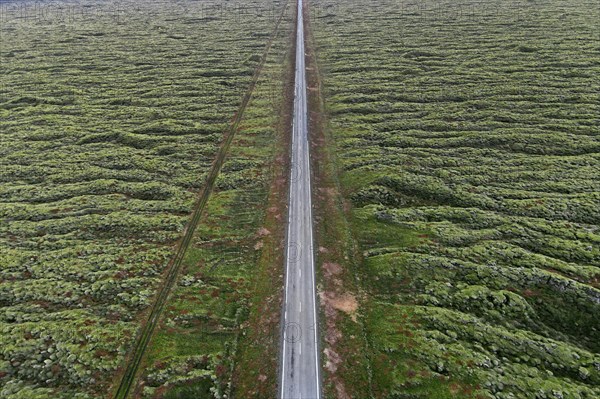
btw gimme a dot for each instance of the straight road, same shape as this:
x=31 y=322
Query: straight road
x=300 y=355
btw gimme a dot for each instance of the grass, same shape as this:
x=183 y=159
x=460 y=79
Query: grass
x=196 y=345
x=111 y=118
x=341 y=320
x=458 y=197
x=466 y=143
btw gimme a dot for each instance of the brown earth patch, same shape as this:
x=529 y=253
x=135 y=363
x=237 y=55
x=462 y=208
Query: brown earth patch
x=331 y=269
x=263 y=232
x=331 y=365
x=344 y=302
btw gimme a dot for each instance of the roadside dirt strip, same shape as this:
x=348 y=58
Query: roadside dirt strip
x=130 y=372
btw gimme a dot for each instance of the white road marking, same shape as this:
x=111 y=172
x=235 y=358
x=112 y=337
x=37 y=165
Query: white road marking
x=301 y=382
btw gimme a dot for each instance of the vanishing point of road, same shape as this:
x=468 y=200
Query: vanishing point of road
x=300 y=354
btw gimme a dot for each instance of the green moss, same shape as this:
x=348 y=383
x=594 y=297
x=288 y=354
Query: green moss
x=464 y=134
x=110 y=121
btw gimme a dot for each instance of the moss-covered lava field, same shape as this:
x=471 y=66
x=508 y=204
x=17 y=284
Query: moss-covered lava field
x=467 y=141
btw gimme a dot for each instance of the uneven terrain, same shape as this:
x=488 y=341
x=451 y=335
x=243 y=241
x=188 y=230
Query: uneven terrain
x=455 y=148
x=203 y=342
x=466 y=140
x=111 y=116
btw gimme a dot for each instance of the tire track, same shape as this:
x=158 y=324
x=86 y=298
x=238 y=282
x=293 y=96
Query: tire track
x=174 y=266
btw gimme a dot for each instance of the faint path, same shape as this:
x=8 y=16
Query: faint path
x=137 y=355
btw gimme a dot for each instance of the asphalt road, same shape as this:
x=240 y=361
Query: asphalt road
x=300 y=356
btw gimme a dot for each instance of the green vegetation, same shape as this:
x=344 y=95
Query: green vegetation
x=111 y=115
x=467 y=141
x=195 y=348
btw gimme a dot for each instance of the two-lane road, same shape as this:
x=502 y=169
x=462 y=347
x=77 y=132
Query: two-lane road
x=300 y=355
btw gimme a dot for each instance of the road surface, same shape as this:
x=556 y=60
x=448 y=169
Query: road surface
x=299 y=377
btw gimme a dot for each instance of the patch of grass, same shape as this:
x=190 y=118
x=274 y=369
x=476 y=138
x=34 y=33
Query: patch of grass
x=376 y=231
x=199 y=390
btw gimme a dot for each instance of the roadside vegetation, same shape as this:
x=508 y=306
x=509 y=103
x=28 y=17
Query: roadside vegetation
x=111 y=115
x=196 y=349
x=467 y=145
